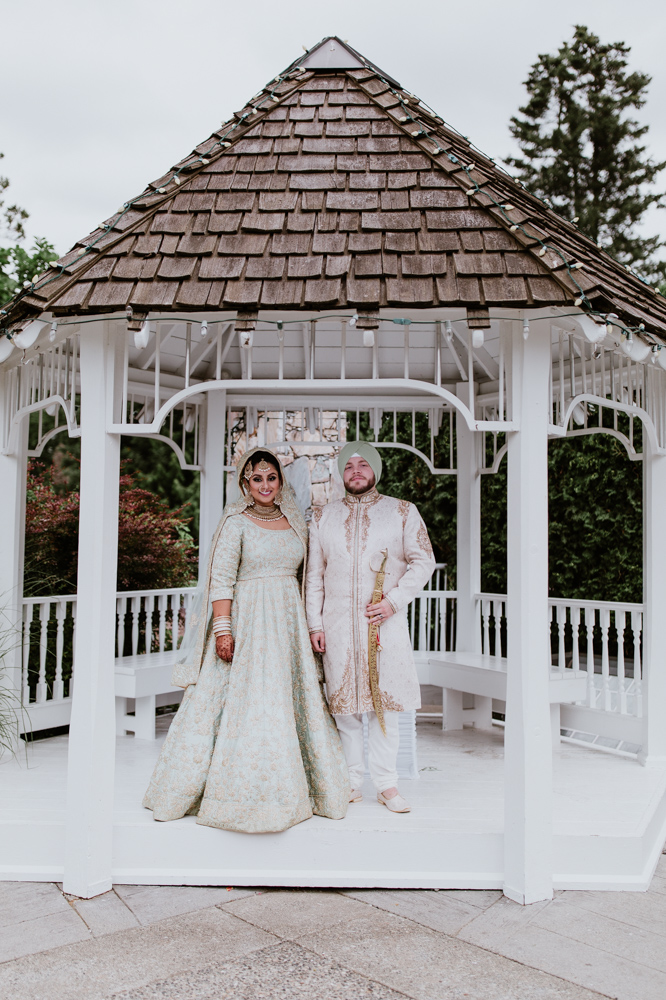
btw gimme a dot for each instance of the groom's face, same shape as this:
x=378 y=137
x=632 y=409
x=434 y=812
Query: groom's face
x=358 y=476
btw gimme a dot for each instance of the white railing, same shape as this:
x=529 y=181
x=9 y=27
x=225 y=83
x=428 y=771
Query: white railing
x=596 y=639
x=151 y=621
x=49 y=627
x=146 y=621
x=432 y=616
x=600 y=640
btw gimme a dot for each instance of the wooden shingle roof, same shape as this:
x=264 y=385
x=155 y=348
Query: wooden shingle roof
x=335 y=188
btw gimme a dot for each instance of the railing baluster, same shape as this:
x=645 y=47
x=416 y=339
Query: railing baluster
x=28 y=613
x=162 y=626
x=61 y=614
x=637 y=629
x=497 y=614
x=574 y=614
x=136 y=608
x=44 y=610
x=620 y=623
x=120 y=624
x=589 y=657
x=485 y=620
x=561 y=651
x=604 y=623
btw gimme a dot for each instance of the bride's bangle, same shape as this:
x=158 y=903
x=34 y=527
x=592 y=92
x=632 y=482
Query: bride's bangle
x=222 y=625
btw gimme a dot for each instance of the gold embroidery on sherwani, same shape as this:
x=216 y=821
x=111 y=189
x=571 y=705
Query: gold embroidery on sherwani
x=349 y=528
x=389 y=704
x=349 y=531
x=316 y=514
x=403 y=510
x=365 y=527
x=424 y=540
x=342 y=701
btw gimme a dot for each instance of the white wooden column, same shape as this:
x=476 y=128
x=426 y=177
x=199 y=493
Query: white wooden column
x=468 y=536
x=654 y=599
x=212 y=474
x=92 y=741
x=527 y=740
x=13 y=479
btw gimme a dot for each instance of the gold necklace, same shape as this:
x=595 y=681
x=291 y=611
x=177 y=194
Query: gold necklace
x=272 y=513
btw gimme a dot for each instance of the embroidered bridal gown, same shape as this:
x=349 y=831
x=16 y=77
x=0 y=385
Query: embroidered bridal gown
x=253 y=746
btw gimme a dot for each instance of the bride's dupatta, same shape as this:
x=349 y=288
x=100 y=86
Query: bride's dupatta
x=200 y=622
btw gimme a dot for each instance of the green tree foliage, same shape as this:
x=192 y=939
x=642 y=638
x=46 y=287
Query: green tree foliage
x=155 y=548
x=12 y=217
x=16 y=263
x=595 y=522
x=581 y=146
x=595 y=511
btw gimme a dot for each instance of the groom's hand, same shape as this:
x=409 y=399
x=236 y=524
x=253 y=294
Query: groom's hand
x=318 y=641
x=378 y=613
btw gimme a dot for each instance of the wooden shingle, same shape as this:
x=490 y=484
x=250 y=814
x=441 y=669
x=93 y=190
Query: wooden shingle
x=326 y=200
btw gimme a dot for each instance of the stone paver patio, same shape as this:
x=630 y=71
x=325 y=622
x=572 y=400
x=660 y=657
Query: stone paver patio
x=188 y=943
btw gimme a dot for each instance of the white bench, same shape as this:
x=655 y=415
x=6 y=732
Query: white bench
x=146 y=678
x=483 y=680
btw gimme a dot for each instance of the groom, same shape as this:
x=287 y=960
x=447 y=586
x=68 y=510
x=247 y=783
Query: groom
x=349 y=540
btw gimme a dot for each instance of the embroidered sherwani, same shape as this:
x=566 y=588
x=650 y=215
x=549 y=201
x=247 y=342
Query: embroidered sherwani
x=347 y=539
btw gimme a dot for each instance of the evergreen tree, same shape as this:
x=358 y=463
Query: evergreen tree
x=581 y=147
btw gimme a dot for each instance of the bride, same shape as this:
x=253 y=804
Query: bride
x=252 y=747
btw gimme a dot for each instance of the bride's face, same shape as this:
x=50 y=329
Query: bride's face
x=264 y=485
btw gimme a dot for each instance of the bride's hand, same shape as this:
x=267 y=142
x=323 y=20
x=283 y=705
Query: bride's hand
x=224 y=647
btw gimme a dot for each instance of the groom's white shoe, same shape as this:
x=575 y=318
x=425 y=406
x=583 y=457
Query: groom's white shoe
x=396 y=803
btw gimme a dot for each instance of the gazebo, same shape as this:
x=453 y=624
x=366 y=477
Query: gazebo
x=336 y=249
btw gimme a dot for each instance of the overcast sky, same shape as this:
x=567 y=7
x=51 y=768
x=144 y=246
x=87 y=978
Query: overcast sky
x=98 y=97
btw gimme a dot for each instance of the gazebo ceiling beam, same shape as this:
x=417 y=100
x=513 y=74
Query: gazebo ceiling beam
x=147 y=355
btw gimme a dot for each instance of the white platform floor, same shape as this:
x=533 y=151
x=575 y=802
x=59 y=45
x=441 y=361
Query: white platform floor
x=609 y=824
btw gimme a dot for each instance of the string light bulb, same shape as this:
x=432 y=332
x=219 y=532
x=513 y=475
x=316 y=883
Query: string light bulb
x=29 y=334
x=578 y=414
x=448 y=331
x=368 y=338
x=142 y=336
x=204 y=328
x=6 y=348
x=628 y=343
x=526 y=329
x=639 y=350
x=478 y=339
x=352 y=321
x=52 y=331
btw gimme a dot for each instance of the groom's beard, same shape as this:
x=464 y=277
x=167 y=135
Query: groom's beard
x=357 y=490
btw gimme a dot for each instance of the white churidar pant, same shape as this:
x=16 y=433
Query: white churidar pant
x=382 y=750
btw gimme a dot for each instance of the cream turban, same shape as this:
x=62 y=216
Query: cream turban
x=366 y=451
